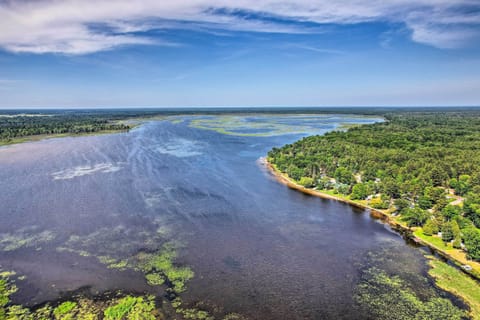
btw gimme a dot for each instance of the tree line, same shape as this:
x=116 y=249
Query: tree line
x=12 y=127
x=424 y=166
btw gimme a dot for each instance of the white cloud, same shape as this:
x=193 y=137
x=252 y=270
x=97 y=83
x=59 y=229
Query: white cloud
x=85 y=26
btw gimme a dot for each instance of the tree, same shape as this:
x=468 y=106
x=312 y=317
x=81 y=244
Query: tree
x=379 y=203
x=457 y=243
x=455 y=229
x=401 y=204
x=434 y=194
x=414 y=216
x=450 y=212
x=424 y=202
x=471 y=207
x=306 y=182
x=471 y=238
x=430 y=227
x=463 y=184
x=324 y=183
x=294 y=172
x=447 y=232
x=343 y=188
x=343 y=175
x=359 y=192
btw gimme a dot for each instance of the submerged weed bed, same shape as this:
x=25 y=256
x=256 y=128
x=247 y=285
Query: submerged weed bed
x=259 y=126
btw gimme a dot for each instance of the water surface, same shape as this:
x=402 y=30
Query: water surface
x=257 y=248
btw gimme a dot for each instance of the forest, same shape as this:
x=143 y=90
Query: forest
x=424 y=167
x=13 y=126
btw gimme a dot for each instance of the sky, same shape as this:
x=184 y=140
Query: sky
x=188 y=53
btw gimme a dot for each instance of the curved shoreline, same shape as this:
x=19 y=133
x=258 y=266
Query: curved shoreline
x=376 y=213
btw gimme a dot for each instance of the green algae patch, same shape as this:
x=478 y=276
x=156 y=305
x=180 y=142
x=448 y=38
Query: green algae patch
x=155 y=279
x=65 y=310
x=455 y=281
x=195 y=314
x=157 y=260
x=109 y=247
x=258 y=125
x=25 y=238
x=131 y=308
x=159 y=267
x=388 y=297
x=7 y=310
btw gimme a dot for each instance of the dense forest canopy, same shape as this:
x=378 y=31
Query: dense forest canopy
x=23 y=125
x=423 y=165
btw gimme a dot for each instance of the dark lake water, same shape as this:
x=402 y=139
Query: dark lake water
x=256 y=247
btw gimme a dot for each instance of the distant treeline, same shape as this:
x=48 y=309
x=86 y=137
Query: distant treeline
x=12 y=127
x=416 y=163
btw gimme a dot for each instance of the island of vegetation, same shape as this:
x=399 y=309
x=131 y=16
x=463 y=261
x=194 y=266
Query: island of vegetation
x=420 y=171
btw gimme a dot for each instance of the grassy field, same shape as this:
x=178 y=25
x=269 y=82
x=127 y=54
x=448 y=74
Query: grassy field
x=434 y=240
x=455 y=281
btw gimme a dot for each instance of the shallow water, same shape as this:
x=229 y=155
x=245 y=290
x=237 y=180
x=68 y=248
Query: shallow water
x=257 y=248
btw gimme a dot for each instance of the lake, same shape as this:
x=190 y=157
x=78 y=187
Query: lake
x=73 y=209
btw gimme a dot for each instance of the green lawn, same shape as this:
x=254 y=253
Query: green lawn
x=458 y=283
x=436 y=241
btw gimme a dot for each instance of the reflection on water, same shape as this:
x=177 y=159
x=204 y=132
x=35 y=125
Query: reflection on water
x=76 y=210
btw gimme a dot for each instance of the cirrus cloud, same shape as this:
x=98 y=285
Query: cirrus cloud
x=87 y=26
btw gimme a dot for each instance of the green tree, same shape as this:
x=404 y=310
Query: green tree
x=457 y=243
x=471 y=207
x=343 y=189
x=414 y=216
x=464 y=184
x=324 y=183
x=471 y=238
x=447 y=232
x=424 y=202
x=401 y=204
x=306 y=182
x=450 y=212
x=294 y=172
x=343 y=175
x=359 y=192
x=430 y=227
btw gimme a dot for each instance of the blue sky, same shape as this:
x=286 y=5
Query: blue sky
x=121 y=53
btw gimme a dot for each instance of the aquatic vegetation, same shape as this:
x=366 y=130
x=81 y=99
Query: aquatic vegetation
x=131 y=308
x=266 y=125
x=194 y=313
x=176 y=121
x=108 y=245
x=177 y=302
x=155 y=279
x=7 y=288
x=243 y=126
x=25 y=238
x=122 y=264
x=388 y=297
x=233 y=316
x=178 y=277
x=65 y=310
x=160 y=266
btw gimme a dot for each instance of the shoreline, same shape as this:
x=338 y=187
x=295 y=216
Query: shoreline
x=375 y=213
x=41 y=137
